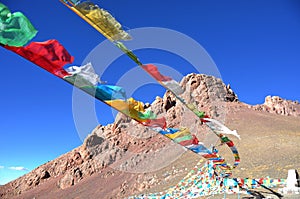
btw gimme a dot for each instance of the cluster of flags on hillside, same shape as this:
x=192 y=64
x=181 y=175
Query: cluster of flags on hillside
x=203 y=181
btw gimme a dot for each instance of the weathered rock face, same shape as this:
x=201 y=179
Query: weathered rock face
x=205 y=89
x=279 y=106
x=208 y=93
x=125 y=144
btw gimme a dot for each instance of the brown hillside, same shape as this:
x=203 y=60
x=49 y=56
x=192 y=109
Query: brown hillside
x=126 y=158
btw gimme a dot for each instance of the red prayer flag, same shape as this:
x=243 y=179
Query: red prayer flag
x=50 y=55
x=210 y=155
x=160 y=122
x=152 y=69
x=230 y=143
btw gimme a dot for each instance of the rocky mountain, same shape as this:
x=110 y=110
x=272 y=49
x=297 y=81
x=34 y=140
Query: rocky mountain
x=126 y=158
x=276 y=104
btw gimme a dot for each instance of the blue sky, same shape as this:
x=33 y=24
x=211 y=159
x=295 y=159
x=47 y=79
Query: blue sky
x=255 y=45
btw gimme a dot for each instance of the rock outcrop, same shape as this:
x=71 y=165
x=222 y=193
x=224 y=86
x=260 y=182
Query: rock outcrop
x=277 y=105
x=122 y=146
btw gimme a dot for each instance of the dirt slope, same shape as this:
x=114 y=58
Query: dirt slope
x=125 y=158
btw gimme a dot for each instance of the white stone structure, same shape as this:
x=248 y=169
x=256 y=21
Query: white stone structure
x=292 y=184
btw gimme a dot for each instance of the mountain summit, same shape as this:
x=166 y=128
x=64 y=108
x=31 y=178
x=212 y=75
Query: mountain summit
x=126 y=158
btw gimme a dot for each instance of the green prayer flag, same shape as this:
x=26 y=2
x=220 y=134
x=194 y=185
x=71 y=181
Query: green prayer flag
x=130 y=54
x=200 y=114
x=183 y=138
x=148 y=114
x=225 y=139
x=4 y=12
x=15 y=29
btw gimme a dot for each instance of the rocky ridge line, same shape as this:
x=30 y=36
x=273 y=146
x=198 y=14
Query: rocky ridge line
x=111 y=144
